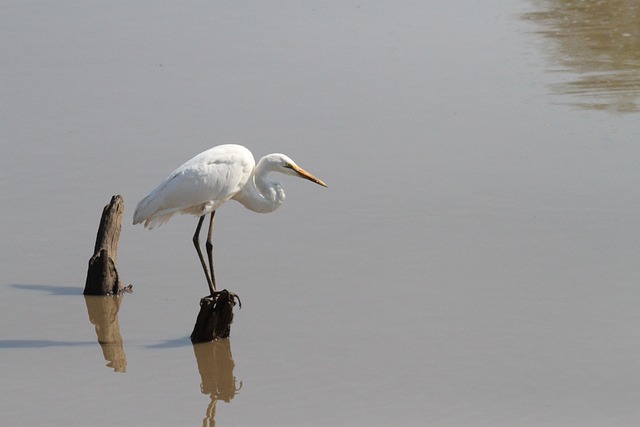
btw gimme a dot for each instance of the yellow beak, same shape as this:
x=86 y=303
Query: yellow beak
x=306 y=175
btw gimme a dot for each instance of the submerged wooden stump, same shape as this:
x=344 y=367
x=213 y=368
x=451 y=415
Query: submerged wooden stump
x=102 y=276
x=215 y=317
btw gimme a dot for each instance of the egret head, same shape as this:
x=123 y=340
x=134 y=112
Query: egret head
x=284 y=164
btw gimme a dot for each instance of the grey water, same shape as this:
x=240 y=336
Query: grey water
x=473 y=261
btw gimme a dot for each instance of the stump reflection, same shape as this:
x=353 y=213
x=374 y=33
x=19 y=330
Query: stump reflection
x=103 y=314
x=215 y=365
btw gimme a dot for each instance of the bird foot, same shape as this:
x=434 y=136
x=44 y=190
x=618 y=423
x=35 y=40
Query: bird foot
x=224 y=296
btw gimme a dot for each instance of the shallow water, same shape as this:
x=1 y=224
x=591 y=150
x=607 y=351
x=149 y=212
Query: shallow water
x=474 y=260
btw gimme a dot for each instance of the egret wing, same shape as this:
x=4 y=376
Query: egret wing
x=199 y=186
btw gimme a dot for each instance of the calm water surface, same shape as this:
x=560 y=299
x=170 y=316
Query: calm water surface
x=473 y=262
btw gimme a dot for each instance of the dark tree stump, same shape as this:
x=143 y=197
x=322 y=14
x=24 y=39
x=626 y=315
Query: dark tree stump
x=102 y=276
x=215 y=317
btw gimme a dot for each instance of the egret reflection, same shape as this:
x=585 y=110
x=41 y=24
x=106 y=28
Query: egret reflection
x=597 y=43
x=215 y=365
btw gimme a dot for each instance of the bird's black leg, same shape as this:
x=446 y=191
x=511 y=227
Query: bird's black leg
x=209 y=246
x=196 y=243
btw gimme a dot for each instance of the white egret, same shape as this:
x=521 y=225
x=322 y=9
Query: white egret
x=201 y=185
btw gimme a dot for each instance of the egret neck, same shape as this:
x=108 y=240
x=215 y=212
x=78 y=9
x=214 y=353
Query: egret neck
x=259 y=193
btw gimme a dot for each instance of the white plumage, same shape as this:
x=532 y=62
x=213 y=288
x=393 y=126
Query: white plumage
x=207 y=181
x=199 y=186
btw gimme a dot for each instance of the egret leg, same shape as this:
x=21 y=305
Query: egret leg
x=209 y=246
x=196 y=243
